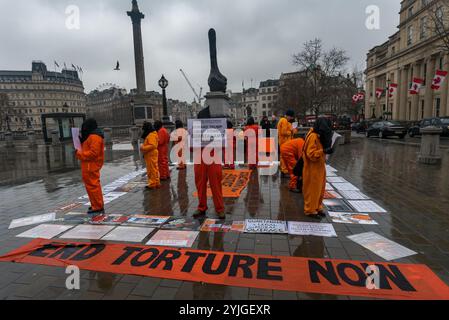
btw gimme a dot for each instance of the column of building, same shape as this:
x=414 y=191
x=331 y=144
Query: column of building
x=403 y=92
x=445 y=88
x=428 y=97
x=396 y=97
x=416 y=73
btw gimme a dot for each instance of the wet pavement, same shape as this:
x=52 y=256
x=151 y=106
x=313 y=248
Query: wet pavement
x=416 y=198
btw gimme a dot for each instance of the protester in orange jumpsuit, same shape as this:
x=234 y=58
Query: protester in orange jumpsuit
x=291 y=152
x=92 y=160
x=208 y=173
x=318 y=144
x=251 y=143
x=164 y=142
x=285 y=133
x=181 y=136
x=151 y=155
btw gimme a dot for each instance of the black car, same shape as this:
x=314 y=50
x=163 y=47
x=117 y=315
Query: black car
x=442 y=123
x=363 y=125
x=385 y=129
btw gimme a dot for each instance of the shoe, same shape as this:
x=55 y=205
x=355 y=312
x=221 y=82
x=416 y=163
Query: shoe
x=322 y=214
x=89 y=210
x=96 y=213
x=315 y=216
x=221 y=215
x=295 y=191
x=199 y=214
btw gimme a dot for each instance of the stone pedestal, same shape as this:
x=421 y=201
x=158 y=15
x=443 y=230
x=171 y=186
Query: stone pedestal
x=31 y=138
x=55 y=138
x=134 y=134
x=430 y=146
x=108 y=138
x=9 y=140
x=218 y=103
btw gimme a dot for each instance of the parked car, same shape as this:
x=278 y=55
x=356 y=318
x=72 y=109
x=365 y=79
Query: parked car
x=362 y=126
x=442 y=123
x=385 y=129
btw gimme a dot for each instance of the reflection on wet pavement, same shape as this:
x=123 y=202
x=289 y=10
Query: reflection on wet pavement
x=416 y=197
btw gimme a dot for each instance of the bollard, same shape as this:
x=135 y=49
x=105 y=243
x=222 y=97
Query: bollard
x=55 y=138
x=31 y=138
x=9 y=140
x=430 y=146
x=108 y=138
x=134 y=132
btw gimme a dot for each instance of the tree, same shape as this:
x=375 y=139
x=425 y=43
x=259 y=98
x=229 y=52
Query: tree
x=439 y=23
x=4 y=110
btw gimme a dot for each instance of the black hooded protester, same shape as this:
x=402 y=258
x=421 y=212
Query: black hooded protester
x=323 y=127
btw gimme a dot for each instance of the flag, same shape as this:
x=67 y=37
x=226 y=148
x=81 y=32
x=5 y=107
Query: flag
x=416 y=85
x=355 y=98
x=361 y=96
x=56 y=64
x=379 y=92
x=438 y=80
x=392 y=88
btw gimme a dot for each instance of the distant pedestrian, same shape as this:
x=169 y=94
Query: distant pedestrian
x=164 y=142
x=285 y=134
x=92 y=160
x=318 y=144
x=274 y=122
x=151 y=155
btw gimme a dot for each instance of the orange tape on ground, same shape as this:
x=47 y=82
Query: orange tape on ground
x=323 y=276
x=233 y=183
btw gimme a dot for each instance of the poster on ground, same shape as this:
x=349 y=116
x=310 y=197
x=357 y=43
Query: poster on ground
x=155 y=221
x=213 y=225
x=172 y=238
x=351 y=218
x=29 y=221
x=383 y=247
x=329 y=187
x=87 y=232
x=336 y=205
x=345 y=186
x=367 y=207
x=180 y=223
x=233 y=183
x=128 y=234
x=311 y=229
x=265 y=226
x=336 y=180
x=109 y=219
x=354 y=195
x=44 y=231
x=332 y=195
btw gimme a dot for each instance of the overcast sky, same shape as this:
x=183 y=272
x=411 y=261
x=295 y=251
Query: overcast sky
x=255 y=38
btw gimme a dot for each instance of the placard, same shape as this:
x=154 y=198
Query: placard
x=44 y=231
x=295 y=274
x=179 y=223
x=354 y=195
x=213 y=225
x=128 y=234
x=332 y=195
x=311 y=229
x=346 y=186
x=351 y=218
x=265 y=226
x=336 y=180
x=336 y=205
x=200 y=138
x=87 y=232
x=76 y=138
x=172 y=238
x=367 y=207
x=329 y=187
x=29 y=221
x=155 y=221
x=109 y=219
x=383 y=247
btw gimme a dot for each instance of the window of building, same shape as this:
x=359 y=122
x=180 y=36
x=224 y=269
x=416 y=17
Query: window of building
x=437 y=107
x=409 y=35
x=410 y=12
x=423 y=28
x=422 y=109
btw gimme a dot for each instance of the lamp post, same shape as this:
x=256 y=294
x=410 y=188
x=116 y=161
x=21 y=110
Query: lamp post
x=163 y=83
x=133 y=117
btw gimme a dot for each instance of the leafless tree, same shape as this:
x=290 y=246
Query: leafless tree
x=439 y=23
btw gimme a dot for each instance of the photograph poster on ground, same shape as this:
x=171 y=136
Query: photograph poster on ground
x=87 y=232
x=354 y=195
x=183 y=224
x=345 y=186
x=171 y=238
x=109 y=219
x=332 y=195
x=45 y=231
x=351 y=218
x=336 y=205
x=311 y=229
x=383 y=247
x=213 y=225
x=265 y=226
x=29 y=221
x=155 y=221
x=128 y=234
x=367 y=207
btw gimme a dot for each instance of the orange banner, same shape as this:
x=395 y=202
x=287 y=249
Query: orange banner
x=323 y=276
x=234 y=182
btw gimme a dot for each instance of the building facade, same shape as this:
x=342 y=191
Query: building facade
x=268 y=98
x=250 y=103
x=110 y=107
x=33 y=94
x=415 y=51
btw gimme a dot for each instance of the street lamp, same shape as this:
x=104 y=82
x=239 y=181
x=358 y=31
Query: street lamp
x=163 y=83
x=133 y=120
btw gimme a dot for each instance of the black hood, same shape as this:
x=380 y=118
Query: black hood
x=323 y=127
x=89 y=127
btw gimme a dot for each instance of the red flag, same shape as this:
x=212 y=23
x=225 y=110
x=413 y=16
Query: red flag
x=361 y=96
x=392 y=90
x=440 y=76
x=379 y=93
x=355 y=98
x=416 y=85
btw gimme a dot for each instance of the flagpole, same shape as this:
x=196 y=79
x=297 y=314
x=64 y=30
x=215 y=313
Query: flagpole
x=388 y=98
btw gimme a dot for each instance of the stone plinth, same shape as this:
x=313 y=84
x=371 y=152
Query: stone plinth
x=430 y=146
x=218 y=103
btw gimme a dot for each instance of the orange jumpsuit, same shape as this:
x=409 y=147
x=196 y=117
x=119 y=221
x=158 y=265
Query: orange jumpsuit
x=252 y=145
x=212 y=174
x=291 y=152
x=182 y=136
x=164 y=141
x=314 y=175
x=285 y=132
x=92 y=160
x=151 y=155
x=230 y=164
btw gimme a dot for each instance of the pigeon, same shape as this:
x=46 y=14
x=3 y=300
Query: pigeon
x=117 y=68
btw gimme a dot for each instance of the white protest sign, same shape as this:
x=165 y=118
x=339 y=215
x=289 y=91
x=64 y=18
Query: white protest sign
x=265 y=226
x=367 y=207
x=311 y=229
x=28 y=221
x=45 y=231
x=207 y=132
x=76 y=138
